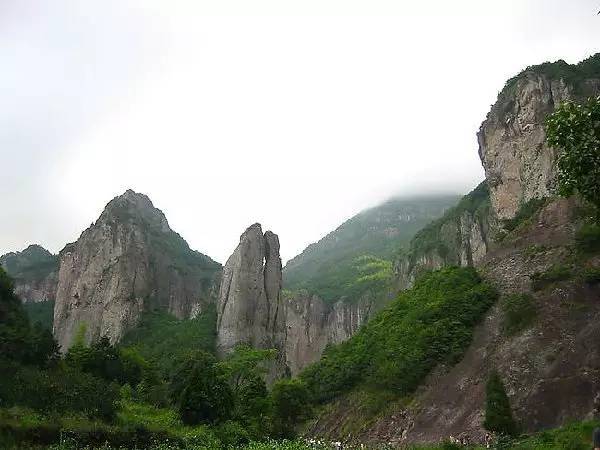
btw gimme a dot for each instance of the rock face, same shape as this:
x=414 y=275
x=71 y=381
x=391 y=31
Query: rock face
x=462 y=237
x=128 y=262
x=518 y=164
x=35 y=272
x=249 y=306
x=312 y=324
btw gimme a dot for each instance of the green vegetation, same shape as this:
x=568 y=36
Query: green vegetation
x=573 y=74
x=574 y=130
x=558 y=272
x=498 y=415
x=591 y=275
x=291 y=405
x=163 y=340
x=519 y=312
x=524 y=214
x=40 y=312
x=32 y=264
x=587 y=238
x=440 y=235
x=431 y=323
x=331 y=268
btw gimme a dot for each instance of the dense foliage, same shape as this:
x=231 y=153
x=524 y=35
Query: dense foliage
x=498 y=415
x=574 y=130
x=40 y=312
x=330 y=268
x=163 y=340
x=429 y=324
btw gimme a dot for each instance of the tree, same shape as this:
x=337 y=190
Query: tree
x=574 y=130
x=200 y=390
x=498 y=415
x=291 y=405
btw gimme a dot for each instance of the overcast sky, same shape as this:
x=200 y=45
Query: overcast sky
x=293 y=114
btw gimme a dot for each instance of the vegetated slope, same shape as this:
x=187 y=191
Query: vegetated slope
x=328 y=267
x=164 y=340
x=427 y=325
x=34 y=271
x=460 y=237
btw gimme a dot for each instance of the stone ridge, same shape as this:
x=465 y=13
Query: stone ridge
x=249 y=306
x=128 y=262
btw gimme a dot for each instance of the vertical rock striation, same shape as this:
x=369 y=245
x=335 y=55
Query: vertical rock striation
x=518 y=163
x=128 y=262
x=249 y=306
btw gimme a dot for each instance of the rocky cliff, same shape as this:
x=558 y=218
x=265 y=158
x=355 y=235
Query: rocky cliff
x=462 y=237
x=249 y=306
x=518 y=163
x=35 y=272
x=312 y=324
x=127 y=262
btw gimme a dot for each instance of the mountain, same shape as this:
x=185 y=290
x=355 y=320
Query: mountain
x=34 y=271
x=539 y=251
x=327 y=268
x=127 y=263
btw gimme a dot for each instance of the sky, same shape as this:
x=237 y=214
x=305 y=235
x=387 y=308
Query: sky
x=225 y=113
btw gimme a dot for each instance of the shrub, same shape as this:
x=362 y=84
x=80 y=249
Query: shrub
x=519 y=311
x=498 y=415
x=525 y=212
x=591 y=275
x=201 y=391
x=290 y=405
x=558 y=272
x=574 y=129
x=587 y=238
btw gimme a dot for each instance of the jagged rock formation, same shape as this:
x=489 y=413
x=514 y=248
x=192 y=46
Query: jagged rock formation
x=312 y=324
x=128 y=262
x=518 y=163
x=35 y=272
x=461 y=237
x=249 y=306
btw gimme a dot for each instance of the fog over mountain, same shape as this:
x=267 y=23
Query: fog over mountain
x=227 y=114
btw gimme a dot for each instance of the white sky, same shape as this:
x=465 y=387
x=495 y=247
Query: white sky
x=293 y=114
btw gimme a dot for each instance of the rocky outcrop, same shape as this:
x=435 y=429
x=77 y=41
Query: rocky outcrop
x=461 y=237
x=518 y=163
x=312 y=324
x=127 y=262
x=249 y=306
x=35 y=272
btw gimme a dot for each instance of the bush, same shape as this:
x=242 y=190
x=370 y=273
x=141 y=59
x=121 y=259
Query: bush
x=519 y=312
x=498 y=415
x=587 y=238
x=290 y=405
x=201 y=391
x=541 y=280
x=525 y=212
x=591 y=275
x=575 y=131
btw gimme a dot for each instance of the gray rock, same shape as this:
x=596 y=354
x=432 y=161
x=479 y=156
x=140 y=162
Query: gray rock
x=128 y=262
x=249 y=307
